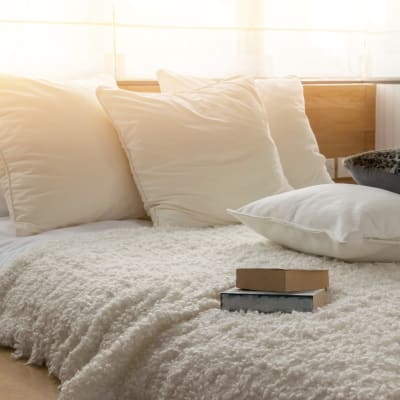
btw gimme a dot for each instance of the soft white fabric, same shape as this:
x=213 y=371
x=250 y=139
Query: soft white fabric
x=134 y=314
x=61 y=162
x=12 y=246
x=194 y=154
x=3 y=206
x=283 y=99
x=349 y=222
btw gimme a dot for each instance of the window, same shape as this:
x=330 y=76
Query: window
x=348 y=39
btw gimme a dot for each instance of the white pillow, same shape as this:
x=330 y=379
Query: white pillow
x=195 y=154
x=3 y=206
x=61 y=162
x=344 y=221
x=283 y=99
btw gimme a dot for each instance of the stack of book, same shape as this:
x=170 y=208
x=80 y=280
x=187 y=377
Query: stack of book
x=277 y=290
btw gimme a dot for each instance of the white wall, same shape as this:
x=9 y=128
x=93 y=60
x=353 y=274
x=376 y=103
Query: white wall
x=387 y=116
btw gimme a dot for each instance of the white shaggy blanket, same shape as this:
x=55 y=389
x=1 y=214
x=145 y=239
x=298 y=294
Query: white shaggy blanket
x=134 y=314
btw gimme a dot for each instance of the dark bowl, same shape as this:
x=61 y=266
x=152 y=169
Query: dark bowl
x=380 y=168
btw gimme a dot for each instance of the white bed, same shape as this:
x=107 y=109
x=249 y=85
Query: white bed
x=119 y=310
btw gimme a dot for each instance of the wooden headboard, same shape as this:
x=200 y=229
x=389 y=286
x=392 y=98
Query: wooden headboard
x=341 y=115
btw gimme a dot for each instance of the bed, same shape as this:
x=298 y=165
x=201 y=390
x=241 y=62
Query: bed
x=123 y=310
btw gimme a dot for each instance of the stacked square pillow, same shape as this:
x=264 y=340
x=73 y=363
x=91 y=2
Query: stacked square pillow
x=204 y=144
x=195 y=153
x=192 y=154
x=283 y=102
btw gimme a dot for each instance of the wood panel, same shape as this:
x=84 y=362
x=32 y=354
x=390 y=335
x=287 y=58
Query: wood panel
x=341 y=115
x=140 y=86
x=19 y=381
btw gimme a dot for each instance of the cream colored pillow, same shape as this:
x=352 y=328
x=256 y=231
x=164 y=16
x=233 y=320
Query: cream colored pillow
x=197 y=153
x=61 y=162
x=283 y=99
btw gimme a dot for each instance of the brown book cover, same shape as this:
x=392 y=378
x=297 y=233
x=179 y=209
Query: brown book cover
x=281 y=279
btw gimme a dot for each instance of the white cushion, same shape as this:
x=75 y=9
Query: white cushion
x=349 y=222
x=3 y=206
x=195 y=154
x=61 y=162
x=283 y=99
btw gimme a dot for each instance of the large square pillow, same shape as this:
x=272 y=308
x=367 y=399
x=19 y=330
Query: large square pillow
x=283 y=101
x=197 y=153
x=350 y=222
x=61 y=162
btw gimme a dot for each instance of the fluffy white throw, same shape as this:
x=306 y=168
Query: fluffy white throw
x=134 y=314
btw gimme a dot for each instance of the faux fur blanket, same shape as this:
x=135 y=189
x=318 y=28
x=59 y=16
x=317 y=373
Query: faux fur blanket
x=134 y=314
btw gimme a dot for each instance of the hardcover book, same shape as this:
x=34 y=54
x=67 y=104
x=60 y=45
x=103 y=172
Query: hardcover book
x=268 y=302
x=281 y=280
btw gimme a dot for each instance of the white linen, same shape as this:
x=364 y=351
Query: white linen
x=134 y=314
x=195 y=154
x=350 y=222
x=12 y=246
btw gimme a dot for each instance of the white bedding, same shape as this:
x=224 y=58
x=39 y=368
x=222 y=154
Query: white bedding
x=134 y=314
x=11 y=246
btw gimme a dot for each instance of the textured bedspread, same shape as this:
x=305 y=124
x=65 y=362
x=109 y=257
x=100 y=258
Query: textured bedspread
x=134 y=314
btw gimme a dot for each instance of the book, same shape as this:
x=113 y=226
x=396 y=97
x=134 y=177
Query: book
x=281 y=279
x=268 y=302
